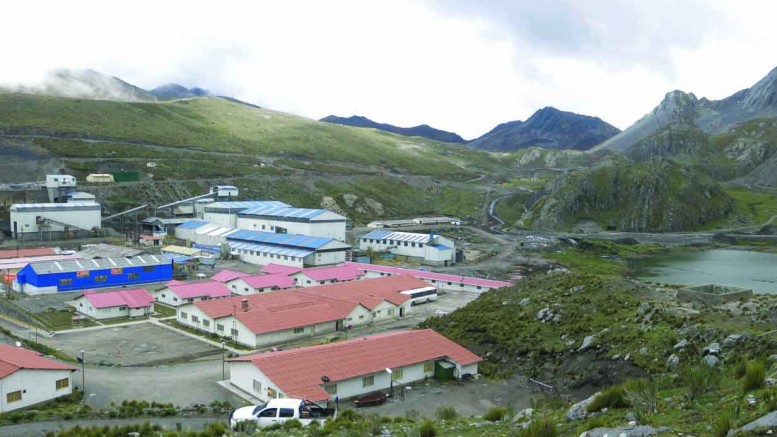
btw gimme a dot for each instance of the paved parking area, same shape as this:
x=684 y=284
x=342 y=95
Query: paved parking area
x=142 y=344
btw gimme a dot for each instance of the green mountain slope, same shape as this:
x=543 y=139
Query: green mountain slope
x=210 y=140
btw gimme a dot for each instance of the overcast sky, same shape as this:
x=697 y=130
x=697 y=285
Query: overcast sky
x=459 y=65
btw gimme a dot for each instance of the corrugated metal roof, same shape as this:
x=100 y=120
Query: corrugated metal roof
x=266 y=248
x=426 y=275
x=397 y=236
x=240 y=205
x=283 y=212
x=297 y=372
x=54 y=206
x=441 y=247
x=133 y=298
x=75 y=265
x=301 y=241
x=192 y=224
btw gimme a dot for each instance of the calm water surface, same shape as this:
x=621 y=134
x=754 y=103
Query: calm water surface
x=737 y=268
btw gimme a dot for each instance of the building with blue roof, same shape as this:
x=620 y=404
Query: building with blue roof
x=290 y=220
x=225 y=213
x=262 y=247
x=429 y=248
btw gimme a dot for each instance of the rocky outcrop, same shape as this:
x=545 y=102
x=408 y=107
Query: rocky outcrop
x=657 y=196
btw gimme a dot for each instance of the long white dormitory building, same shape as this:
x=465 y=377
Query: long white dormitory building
x=429 y=248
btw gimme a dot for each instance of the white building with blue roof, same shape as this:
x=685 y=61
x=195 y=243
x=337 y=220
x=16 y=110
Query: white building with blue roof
x=225 y=213
x=262 y=247
x=429 y=248
x=290 y=220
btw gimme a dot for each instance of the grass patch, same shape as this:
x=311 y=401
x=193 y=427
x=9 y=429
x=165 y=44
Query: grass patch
x=163 y=310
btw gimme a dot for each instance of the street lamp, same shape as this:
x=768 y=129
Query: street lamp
x=83 y=373
x=391 y=384
x=223 y=360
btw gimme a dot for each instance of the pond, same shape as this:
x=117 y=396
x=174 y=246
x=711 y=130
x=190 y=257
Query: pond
x=735 y=268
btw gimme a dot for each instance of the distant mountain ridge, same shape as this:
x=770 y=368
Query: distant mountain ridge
x=679 y=108
x=549 y=128
x=424 y=131
x=174 y=91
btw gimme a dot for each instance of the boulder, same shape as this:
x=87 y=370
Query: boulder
x=682 y=344
x=350 y=199
x=712 y=349
x=732 y=339
x=672 y=362
x=525 y=301
x=374 y=206
x=587 y=343
x=710 y=360
x=580 y=409
x=523 y=415
x=330 y=204
x=773 y=358
x=629 y=431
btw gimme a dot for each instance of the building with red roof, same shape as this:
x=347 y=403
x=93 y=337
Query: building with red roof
x=266 y=319
x=442 y=281
x=177 y=293
x=279 y=268
x=27 y=253
x=27 y=378
x=226 y=275
x=260 y=283
x=136 y=302
x=352 y=367
x=312 y=277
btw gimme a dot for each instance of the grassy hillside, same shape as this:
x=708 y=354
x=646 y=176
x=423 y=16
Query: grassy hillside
x=205 y=141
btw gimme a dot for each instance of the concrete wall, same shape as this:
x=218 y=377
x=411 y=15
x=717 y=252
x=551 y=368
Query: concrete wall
x=325 y=258
x=711 y=294
x=222 y=219
x=26 y=220
x=36 y=386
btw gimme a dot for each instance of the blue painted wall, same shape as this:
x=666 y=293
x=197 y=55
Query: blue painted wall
x=157 y=273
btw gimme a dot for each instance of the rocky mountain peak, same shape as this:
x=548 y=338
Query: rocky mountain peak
x=763 y=94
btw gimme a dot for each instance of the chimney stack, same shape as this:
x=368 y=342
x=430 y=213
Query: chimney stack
x=244 y=305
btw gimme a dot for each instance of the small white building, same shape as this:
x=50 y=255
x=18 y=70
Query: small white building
x=27 y=378
x=177 y=293
x=429 y=248
x=79 y=196
x=351 y=368
x=113 y=304
x=296 y=221
x=260 y=283
x=29 y=218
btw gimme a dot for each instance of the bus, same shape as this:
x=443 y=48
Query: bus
x=421 y=295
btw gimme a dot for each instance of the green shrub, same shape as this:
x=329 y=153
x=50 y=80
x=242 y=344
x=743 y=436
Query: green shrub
x=699 y=379
x=726 y=421
x=740 y=368
x=755 y=376
x=447 y=413
x=292 y=424
x=611 y=397
x=427 y=429
x=642 y=396
x=543 y=427
x=495 y=414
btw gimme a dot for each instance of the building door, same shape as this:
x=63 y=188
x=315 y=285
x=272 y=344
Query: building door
x=339 y=325
x=401 y=311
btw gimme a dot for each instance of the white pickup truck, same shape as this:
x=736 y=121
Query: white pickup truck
x=281 y=410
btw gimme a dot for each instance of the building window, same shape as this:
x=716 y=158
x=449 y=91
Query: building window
x=175 y=299
x=397 y=374
x=122 y=308
x=65 y=282
x=183 y=315
x=390 y=312
x=429 y=366
x=148 y=269
x=299 y=330
x=272 y=394
x=205 y=322
x=219 y=327
x=63 y=383
x=234 y=287
x=163 y=295
x=100 y=278
x=257 y=386
x=361 y=317
x=234 y=332
x=195 y=319
x=245 y=289
x=331 y=389
x=368 y=381
x=14 y=396
x=133 y=275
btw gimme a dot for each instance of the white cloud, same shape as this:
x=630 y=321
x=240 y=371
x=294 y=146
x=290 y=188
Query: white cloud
x=448 y=64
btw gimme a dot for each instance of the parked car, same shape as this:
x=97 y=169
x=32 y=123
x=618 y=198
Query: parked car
x=281 y=410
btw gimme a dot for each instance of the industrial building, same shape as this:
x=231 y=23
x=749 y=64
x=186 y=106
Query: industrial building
x=442 y=281
x=428 y=248
x=266 y=319
x=256 y=247
x=225 y=213
x=79 y=196
x=27 y=378
x=47 y=277
x=289 y=220
x=351 y=368
x=34 y=220
x=58 y=185
x=136 y=302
